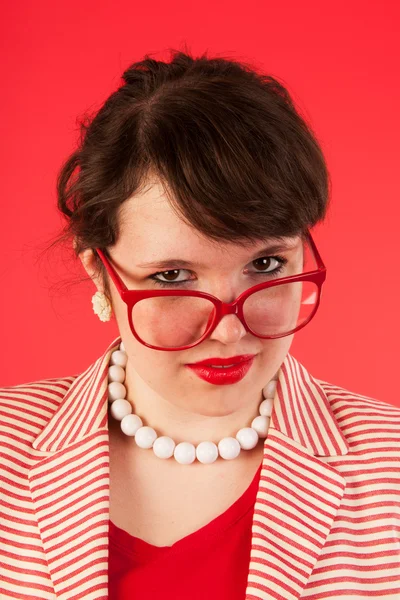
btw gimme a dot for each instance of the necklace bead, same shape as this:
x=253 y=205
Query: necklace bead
x=185 y=453
x=163 y=446
x=229 y=448
x=130 y=424
x=145 y=437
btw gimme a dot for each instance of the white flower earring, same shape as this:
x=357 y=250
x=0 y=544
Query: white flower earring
x=101 y=306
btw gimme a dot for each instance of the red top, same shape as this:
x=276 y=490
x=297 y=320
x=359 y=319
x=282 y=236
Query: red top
x=211 y=562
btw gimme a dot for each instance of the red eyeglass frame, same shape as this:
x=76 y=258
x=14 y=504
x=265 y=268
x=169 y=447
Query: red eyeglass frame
x=131 y=297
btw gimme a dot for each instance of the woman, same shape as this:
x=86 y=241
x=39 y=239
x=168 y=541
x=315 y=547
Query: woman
x=190 y=202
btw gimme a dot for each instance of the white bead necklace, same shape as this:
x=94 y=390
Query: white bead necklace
x=184 y=452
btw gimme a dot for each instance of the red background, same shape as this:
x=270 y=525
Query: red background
x=339 y=61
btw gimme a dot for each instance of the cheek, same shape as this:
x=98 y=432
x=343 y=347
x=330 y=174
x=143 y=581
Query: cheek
x=274 y=353
x=151 y=365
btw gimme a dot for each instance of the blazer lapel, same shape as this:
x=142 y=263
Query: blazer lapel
x=299 y=494
x=69 y=485
x=297 y=500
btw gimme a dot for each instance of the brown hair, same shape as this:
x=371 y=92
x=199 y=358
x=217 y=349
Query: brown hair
x=236 y=159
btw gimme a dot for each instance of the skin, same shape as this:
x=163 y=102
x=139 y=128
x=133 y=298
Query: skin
x=164 y=392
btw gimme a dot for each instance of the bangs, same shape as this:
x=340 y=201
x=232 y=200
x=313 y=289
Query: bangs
x=233 y=168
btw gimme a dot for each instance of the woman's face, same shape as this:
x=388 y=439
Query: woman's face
x=150 y=231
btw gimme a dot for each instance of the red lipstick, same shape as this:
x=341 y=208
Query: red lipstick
x=224 y=375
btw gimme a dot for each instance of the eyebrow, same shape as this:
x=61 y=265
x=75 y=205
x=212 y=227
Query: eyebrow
x=177 y=263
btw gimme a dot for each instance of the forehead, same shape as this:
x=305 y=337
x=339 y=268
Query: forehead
x=150 y=230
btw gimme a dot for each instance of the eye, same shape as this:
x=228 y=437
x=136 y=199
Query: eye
x=169 y=276
x=265 y=262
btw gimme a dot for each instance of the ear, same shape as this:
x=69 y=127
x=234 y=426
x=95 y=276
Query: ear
x=89 y=263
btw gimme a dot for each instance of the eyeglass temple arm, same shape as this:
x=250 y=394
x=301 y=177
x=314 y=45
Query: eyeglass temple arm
x=120 y=285
x=320 y=263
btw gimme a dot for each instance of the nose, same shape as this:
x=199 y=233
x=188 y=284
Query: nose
x=229 y=330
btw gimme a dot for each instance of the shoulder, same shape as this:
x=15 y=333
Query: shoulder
x=26 y=407
x=365 y=421
x=341 y=398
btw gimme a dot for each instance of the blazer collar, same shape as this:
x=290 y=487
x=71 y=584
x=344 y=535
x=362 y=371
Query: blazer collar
x=301 y=411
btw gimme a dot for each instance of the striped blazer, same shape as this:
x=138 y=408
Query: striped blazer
x=327 y=513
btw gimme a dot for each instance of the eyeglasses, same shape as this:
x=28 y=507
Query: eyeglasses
x=180 y=319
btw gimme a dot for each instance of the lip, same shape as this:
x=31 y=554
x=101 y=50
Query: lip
x=225 y=376
x=232 y=360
